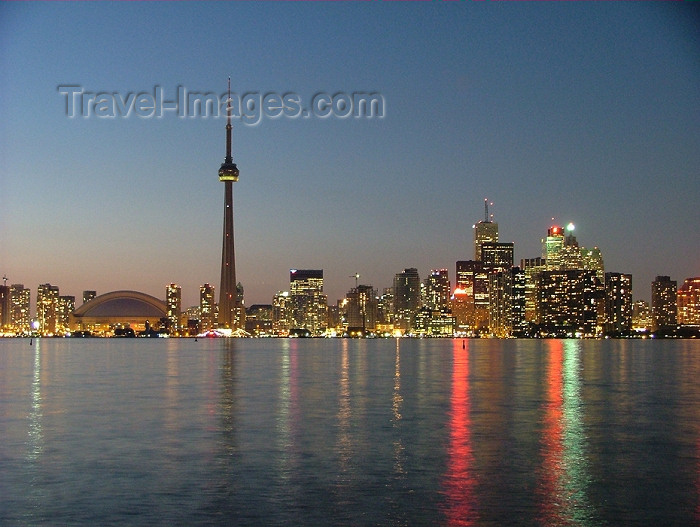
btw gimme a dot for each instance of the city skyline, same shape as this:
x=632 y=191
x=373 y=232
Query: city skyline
x=585 y=113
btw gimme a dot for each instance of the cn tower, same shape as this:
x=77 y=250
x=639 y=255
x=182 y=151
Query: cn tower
x=228 y=173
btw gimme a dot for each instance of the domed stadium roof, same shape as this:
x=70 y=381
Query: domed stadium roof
x=121 y=304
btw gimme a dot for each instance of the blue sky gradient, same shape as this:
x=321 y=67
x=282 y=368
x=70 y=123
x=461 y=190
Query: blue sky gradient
x=587 y=112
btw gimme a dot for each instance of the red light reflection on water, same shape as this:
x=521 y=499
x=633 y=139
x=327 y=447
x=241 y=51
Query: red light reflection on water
x=550 y=487
x=459 y=479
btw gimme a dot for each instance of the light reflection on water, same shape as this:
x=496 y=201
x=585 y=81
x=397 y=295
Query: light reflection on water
x=348 y=432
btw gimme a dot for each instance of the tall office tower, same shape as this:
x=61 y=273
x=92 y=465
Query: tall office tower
x=552 y=247
x=309 y=303
x=571 y=254
x=568 y=303
x=497 y=259
x=361 y=309
x=437 y=290
x=173 y=303
x=407 y=289
x=592 y=260
x=520 y=324
x=688 y=302
x=281 y=313
x=5 y=311
x=20 y=318
x=64 y=309
x=497 y=256
x=228 y=173
x=486 y=231
x=473 y=280
x=88 y=295
x=385 y=307
x=462 y=307
x=46 y=308
x=641 y=315
x=618 y=303
x=501 y=303
x=531 y=267
x=663 y=303
x=207 y=307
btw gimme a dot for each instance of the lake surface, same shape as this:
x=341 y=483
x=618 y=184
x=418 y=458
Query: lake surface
x=349 y=432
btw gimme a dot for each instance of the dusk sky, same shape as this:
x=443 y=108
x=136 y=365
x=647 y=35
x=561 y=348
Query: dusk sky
x=588 y=112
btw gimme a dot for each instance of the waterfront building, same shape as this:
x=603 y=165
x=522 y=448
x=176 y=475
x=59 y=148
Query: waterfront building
x=568 y=303
x=119 y=313
x=437 y=290
x=497 y=259
x=207 y=307
x=520 y=325
x=64 y=308
x=500 y=303
x=173 y=301
x=641 y=316
x=531 y=267
x=20 y=318
x=361 y=310
x=663 y=303
x=281 y=313
x=407 y=299
x=434 y=323
x=309 y=304
x=47 y=308
x=258 y=320
x=462 y=305
x=229 y=312
x=618 y=303
x=385 y=309
x=688 y=302
x=5 y=311
x=473 y=280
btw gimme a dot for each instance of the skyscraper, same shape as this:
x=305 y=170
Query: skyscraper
x=567 y=303
x=688 y=304
x=19 y=305
x=663 y=303
x=437 y=290
x=618 y=303
x=207 y=307
x=228 y=173
x=485 y=231
x=361 y=309
x=173 y=301
x=5 y=311
x=47 y=308
x=406 y=298
x=552 y=247
x=309 y=304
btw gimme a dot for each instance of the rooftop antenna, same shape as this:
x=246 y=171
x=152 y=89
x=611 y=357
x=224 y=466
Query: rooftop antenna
x=486 y=210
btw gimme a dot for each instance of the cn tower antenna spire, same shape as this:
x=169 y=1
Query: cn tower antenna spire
x=229 y=127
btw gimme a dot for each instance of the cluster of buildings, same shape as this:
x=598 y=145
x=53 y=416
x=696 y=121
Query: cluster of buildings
x=564 y=292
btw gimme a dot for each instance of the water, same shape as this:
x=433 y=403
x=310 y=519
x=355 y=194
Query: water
x=349 y=432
